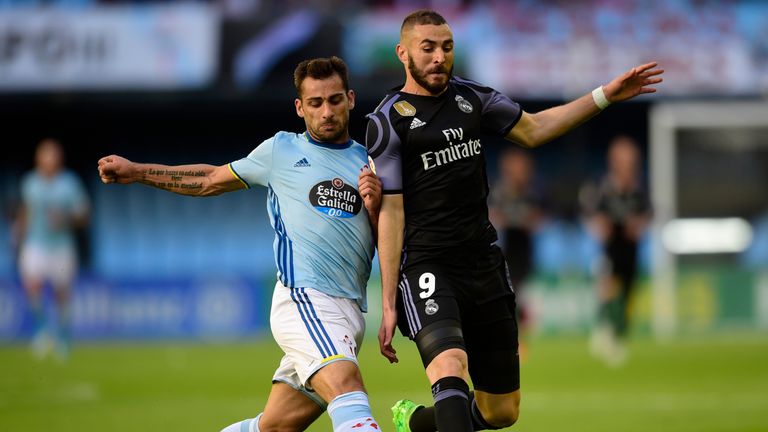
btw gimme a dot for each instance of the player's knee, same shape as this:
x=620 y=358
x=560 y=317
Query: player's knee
x=437 y=338
x=504 y=419
x=346 y=383
x=336 y=379
x=503 y=415
x=452 y=362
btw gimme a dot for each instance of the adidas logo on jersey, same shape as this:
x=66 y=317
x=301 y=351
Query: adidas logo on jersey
x=302 y=163
x=417 y=123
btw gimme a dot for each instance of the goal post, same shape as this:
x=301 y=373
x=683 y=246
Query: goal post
x=666 y=121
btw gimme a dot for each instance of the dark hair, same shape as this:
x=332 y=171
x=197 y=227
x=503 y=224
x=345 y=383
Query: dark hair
x=320 y=68
x=422 y=17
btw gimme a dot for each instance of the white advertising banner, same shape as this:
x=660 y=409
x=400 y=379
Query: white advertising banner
x=109 y=48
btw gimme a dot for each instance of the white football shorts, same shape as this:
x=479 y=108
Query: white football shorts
x=58 y=266
x=313 y=329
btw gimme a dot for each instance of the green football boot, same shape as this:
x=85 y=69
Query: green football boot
x=401 y=414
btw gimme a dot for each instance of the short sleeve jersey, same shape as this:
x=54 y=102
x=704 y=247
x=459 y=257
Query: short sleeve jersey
x=515 y=208
x=49 y=200
x=429 y=149
x=619 y=206
x=323 y=238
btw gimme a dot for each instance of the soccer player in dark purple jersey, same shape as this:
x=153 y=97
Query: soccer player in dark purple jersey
x=617 y=215
x=444 y=283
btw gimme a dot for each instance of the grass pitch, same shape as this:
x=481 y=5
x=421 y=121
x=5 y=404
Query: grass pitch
x=709 y=384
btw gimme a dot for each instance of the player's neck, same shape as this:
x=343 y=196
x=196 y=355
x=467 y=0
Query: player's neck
x=344 y=139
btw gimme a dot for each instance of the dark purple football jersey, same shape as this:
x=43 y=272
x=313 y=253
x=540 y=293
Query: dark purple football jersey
x=429 y=149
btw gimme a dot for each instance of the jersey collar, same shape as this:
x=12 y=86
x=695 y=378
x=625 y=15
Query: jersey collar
x=331 y=146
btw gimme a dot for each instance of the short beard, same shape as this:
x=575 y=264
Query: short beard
x=329 y=137
x=421 y=78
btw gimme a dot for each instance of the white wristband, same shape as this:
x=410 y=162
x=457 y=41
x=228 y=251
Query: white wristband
x=598 y=95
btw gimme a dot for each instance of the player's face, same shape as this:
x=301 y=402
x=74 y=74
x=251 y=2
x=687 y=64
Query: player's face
x=517 y=169
x=49 y=157
x=623 y=161
x=429 y=50
x=324 y=105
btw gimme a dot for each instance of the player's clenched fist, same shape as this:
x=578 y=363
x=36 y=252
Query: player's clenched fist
x=115 y=169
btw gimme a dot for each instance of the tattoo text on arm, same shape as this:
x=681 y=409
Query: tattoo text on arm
x=176 y=179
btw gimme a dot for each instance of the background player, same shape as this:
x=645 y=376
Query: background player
x=516 y=209
x=323 y=248
x=618 y=215
x=54 y=206
x=454 y=298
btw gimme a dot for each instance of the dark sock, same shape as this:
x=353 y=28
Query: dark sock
x=423 y=420
x=615 y=315
x=451 y=396
x=604 y=311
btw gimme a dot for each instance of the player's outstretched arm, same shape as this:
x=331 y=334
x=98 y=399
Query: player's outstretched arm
x=533 y=130
x=195 y=180
x=391 y=228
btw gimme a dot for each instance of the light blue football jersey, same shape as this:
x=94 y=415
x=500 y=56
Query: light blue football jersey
x=48 y=200
x=323 y=239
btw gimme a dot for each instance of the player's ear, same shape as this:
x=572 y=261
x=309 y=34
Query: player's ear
x=351 y=97
x=402 y=54
x=299 y=107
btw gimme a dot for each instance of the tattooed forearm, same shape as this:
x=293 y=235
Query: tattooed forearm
x=174 y=180
x=176 y=175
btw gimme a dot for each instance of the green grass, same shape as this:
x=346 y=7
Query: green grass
x=713 y=384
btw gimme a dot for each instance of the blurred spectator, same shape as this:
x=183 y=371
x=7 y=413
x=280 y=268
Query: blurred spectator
x=54 y=205
x=618 y=212
x=516 y=210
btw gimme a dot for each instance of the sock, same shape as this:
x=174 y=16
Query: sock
x=65 y=324
x=423 y=420
x=250 y=425
x=451 y=396
x=38 y=315
x=352 y=412
x=615 y=312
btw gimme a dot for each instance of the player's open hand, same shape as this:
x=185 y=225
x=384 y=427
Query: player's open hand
x=636 y=81
x=386 y=333
x=369 y=186
x=115 y=169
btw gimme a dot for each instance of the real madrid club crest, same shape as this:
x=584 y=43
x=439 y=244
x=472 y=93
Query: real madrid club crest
x=431 y=307
x=464 y=105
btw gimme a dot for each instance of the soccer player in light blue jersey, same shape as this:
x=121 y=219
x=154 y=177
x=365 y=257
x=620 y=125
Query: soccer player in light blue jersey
x=54 y=206
x=323 y=248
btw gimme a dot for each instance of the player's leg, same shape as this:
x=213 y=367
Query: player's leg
x=430 y=315
x=495 y=371
x=32 y=267
x=491 y=335
x=340 y=383
x=287 y=410
x=321 y=335
x=495 y=411
x=602 y=339
x=62 y=278
x=625 y=275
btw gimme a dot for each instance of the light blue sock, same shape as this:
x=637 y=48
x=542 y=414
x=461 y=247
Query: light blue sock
x=38 y=315
x=250 y=425
x=351 y=411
